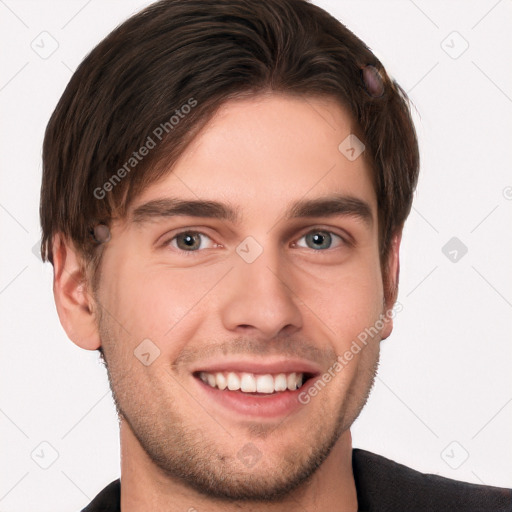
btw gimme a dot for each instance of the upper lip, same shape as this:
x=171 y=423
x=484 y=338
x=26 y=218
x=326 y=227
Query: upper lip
x=268 y=365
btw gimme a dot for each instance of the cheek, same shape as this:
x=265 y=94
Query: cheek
x=170 y=304
x=349 y=299
x=162 y=303
x=353 y=311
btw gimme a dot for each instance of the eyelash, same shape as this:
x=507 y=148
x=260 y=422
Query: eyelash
x=344 y=240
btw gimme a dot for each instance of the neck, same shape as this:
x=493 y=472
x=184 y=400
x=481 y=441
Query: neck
x=145 y=488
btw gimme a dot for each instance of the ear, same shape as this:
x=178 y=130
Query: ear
x=74 y=303
x=390 y=281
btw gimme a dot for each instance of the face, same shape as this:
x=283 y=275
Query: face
x=267 y=290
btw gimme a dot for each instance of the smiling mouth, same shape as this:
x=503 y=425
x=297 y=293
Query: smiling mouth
x=254 y=383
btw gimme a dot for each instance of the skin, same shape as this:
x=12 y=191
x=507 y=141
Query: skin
x=179 y=450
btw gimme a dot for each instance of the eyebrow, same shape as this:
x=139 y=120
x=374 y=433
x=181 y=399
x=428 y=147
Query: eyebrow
x=329 y=206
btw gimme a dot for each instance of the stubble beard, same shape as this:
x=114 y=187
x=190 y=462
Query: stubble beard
x=180 y=451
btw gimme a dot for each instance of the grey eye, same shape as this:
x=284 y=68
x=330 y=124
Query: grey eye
x=319 y=239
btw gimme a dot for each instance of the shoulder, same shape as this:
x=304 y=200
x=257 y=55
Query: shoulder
x=384 y=485
x=108 y=500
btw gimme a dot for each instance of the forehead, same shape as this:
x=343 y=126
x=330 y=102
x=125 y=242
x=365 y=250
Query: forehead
x=263 y=153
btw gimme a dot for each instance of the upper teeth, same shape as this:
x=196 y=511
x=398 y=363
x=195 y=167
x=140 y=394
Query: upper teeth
x=250 y=382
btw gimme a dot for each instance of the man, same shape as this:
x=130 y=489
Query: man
x=224 y=190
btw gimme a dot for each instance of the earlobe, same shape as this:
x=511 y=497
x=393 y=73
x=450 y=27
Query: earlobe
x=74 y=303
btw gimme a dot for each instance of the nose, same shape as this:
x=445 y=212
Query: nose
x=258 y=296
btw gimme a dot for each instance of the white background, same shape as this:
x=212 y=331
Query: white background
x=445 y=371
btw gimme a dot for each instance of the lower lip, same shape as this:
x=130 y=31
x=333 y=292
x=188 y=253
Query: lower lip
x=261 y=406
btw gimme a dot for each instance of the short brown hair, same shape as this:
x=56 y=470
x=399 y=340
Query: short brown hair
x=202 y=53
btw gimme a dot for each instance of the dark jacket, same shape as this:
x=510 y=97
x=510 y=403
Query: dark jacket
x=385 y=486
